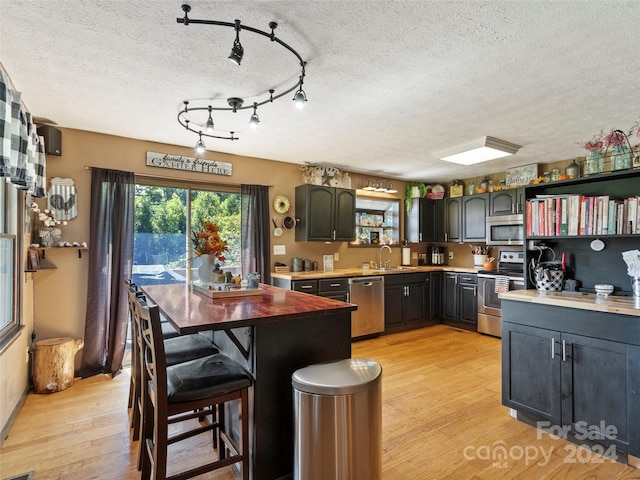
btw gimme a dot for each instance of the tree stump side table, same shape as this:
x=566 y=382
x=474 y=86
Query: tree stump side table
x=54 y=363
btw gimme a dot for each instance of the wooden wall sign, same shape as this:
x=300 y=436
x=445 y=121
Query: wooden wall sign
x=188 y=164
x=519 y=176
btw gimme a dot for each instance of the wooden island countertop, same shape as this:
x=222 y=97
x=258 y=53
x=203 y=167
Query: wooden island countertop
x=611 y=304
x=191 y=312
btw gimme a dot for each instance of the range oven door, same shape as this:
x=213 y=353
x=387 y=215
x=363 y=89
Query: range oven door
x=489 y=308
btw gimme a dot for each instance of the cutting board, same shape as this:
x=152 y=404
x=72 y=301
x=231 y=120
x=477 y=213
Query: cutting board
x=213 y=292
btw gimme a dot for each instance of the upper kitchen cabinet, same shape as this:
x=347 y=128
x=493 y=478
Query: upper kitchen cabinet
x=506 y=202
x=453 y=219
x=425 y=222
x=325 y=214
x=474 y=215
x=466 y=218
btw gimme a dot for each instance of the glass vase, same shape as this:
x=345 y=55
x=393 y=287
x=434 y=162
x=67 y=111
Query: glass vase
x=594 y=163
x=620 y=158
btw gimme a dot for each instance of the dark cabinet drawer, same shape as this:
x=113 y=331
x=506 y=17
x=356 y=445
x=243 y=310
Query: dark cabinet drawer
x=333 y=285
x=467 y=278
x=306 y=286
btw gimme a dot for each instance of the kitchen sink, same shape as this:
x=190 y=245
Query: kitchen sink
x=387 y=269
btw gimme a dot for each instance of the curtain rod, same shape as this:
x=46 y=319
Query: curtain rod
x=178 y=179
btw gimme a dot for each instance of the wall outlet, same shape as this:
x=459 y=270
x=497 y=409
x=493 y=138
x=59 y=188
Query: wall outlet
x=450 y=255
x=336 y=257
x=279 y=250
x=414 y=255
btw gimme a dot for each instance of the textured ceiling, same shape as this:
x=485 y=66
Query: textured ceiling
x=389 y=83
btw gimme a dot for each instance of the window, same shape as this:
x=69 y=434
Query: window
x=166 y=216
x=12 y=203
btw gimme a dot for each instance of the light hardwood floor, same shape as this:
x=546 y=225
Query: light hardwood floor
x=441 y=414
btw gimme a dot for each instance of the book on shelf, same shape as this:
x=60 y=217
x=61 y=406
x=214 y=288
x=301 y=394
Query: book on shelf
x=579 y=214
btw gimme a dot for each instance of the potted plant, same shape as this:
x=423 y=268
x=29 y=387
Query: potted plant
x=413 y=190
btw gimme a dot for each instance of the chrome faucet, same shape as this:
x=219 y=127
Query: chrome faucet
x=380 y=256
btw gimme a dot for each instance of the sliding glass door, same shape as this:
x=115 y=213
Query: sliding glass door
x=165 y=219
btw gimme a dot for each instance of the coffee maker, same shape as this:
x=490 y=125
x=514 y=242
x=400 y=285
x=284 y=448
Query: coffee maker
x=436 y=255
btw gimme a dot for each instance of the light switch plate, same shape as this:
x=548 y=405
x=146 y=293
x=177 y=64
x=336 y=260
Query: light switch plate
x=336 y=257
x=279 y=250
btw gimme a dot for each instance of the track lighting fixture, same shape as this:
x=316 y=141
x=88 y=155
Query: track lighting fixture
x=209 y=126
x=200 y=146
x=237 y=52
x=205 y=126
x=254 y=121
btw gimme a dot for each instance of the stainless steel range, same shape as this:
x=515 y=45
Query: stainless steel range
x=510 y=271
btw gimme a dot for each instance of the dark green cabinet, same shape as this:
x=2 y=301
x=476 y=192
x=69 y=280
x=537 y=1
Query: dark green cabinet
x=407 y=301
x=586 y=384
x=466 y=218
x=325 y=213
x=474 y=217
x=425 y=222
x=453 y=219
x=433 y=298
x=506 y=202
x=460 y=300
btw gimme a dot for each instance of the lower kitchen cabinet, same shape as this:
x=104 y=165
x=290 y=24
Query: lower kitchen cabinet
x=460 y=300
x=586 y=385
x=408 y=301
x=336 y=288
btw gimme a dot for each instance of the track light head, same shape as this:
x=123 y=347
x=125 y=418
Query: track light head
x=237 y=52
x=299 y=98
x=209 y=125
x=254 y=120
x=200 y=146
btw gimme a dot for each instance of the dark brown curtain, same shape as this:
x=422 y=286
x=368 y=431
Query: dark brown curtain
x=255 y=231
x=110 y=259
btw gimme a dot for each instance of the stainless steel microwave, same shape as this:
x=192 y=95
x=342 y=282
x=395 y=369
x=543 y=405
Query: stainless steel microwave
x=505 y=230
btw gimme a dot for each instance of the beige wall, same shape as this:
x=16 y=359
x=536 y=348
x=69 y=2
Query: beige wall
x=61 y=293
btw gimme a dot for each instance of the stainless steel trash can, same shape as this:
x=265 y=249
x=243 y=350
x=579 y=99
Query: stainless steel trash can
x=338 y=421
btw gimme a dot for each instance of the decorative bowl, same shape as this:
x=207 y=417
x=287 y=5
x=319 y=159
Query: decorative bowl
x=603 y=289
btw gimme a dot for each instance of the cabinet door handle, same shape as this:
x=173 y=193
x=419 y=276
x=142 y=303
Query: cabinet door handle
x=564 y=351
x=475 y=291
x=334 y=234
x=446 y=237
x=553 y=347
x=406 y=290
x=420 y=236
x=306 y=286
x=335 y=284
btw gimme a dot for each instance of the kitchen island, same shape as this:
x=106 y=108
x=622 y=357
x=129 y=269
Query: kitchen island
x=571 y=364
x=271 y=335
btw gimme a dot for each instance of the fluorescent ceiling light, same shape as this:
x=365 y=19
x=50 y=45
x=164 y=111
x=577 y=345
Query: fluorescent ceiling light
x=480 y=150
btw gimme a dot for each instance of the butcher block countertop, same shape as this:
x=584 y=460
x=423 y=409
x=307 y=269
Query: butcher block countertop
x=611 y=304
x=367 y=272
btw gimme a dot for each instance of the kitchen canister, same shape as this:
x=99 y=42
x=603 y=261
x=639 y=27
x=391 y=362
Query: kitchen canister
x=635 y=286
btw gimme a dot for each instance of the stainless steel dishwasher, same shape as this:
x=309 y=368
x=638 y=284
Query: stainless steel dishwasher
x=368 y=294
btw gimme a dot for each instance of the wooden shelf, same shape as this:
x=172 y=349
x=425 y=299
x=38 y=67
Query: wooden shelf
x=42 y=250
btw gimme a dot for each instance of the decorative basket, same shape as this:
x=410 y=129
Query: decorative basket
x=550 y=281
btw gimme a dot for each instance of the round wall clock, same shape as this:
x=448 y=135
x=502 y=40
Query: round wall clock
x=281 y=204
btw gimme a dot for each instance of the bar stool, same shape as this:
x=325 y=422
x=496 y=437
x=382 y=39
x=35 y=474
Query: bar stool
x=186 y=391
x=178 y=348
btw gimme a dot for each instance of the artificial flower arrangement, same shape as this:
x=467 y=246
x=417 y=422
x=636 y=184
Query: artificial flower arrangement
x=45 y=216
x=595 y=144
x=47 y=230
x=207 y=241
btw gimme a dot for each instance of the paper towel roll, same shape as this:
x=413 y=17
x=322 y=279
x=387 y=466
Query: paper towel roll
x=406 y=256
